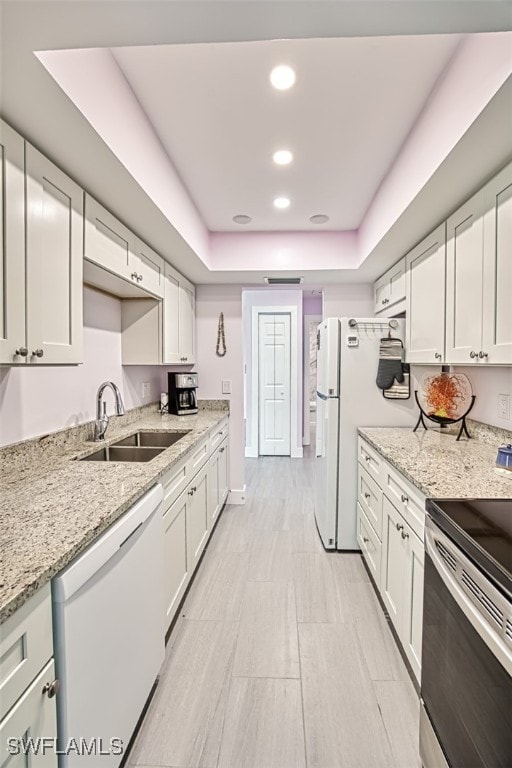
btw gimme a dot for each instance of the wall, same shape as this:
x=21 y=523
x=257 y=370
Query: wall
x=211 y=300
x=348 y=300
x=271 y=298
x=38 y=400
x=487 y=384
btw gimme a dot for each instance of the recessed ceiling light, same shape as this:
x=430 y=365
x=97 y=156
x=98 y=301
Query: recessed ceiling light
x=282 y=157
x=319 y=218
x=281 y=202
x=242 y=218
x=282 y=77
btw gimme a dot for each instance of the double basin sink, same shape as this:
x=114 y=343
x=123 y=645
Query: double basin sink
x=141 y=446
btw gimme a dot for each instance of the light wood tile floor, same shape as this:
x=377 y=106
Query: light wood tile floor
x=281 y=656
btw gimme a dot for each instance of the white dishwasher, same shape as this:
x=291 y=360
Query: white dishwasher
x=109 y=636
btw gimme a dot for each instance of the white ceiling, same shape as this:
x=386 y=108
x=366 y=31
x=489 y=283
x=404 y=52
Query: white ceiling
x=354 y=102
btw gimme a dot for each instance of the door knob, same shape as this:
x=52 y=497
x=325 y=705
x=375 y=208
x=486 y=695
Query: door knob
x=399 y=526
x=366 y=540
x=404 y=535
x=473 y=354
x=22 y=352
x=367 y=495
x=481 y=355
x=405 y=499
x=38 y=353
x=438 y=355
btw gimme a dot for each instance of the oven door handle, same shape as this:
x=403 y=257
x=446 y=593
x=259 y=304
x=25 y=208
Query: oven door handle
x=489 y=633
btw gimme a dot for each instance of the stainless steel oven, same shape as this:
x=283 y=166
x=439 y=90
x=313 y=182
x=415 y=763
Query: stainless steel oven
x=466 y=684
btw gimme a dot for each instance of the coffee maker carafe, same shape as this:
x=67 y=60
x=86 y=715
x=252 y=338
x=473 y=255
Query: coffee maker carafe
x=182 y=393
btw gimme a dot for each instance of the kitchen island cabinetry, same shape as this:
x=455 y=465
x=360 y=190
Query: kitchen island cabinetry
x=27 y=682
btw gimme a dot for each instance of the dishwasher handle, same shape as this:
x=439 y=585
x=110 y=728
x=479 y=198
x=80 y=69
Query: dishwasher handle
x=89 y=562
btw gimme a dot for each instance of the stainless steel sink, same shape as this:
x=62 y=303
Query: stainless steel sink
x=151 y=439
x=123 y=453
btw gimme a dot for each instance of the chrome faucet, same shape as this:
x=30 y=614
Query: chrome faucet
x=101 y=423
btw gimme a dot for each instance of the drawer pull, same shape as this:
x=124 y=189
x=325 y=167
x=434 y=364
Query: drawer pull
x=192 y=490
x=51 y=689
x=367 y=458
x=222 y=450
x=399 y=527
x=404 y=534
x=367 y=495
x=405 y=499
x=366 y=539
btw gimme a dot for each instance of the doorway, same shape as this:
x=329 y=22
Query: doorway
x=274 y=386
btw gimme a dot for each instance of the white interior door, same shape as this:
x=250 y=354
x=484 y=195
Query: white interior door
x=274 y=384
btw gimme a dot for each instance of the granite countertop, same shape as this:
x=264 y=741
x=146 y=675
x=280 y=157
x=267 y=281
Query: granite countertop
x=52 y=506
x=441 y=467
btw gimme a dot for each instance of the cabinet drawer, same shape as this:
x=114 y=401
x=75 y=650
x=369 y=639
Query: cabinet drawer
x=174 y=482
x=369 y=459
x=369 y=496
x=33 y=717
x=218 y=434
x=199 y=458
x=26 y=645
x=371 y=546
x=408 y=500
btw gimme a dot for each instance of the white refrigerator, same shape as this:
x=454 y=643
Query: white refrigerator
x=348 y=398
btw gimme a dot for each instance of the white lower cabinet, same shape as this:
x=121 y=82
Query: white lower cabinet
x=195 y=489
x=390 y=527
x=28 y=712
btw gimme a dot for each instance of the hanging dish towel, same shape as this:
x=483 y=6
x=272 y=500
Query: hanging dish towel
x=390 y=363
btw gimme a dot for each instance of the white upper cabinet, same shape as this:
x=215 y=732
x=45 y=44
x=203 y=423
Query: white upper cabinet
x=54 y=232
x=42 y=253
x=389 y=290
x=464 y=274
x=12 y=247
x=479 y=276
x=497 y=285
x=425 y=302
x=178 y=319
x=108 y=243
x=148 y=268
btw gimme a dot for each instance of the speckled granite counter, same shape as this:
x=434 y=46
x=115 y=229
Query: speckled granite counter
x=440 y=466
x=52 y=507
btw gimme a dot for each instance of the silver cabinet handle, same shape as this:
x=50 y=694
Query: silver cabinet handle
x=481 y=355
x=404 y=535
x=405 y=499
x=367 y=495
x=38 y=353
x=222 y=450
x=22 y=352
x=473 y=354
x=438 y=355
x=367 y=458
x=51 y=689
x=134 y=276
x=366 y=539
x=191 y=492
x=399 y=526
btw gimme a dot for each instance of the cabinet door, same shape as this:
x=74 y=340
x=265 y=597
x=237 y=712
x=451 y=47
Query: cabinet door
x=464 y=274
x=213 y=489
x=187 y=323
x=371 y=547
x=34 y=718
x=148 y=267
x=12 y=247
x=223 y=473
x=390 y=288
x=425 y=300
x=108 y=243
x=412 y=621
x=393 y=562
x=197 y=517
x=381 y=294
x=176 y=571
x=497 y=321
x=54 y=230
x=171 y=317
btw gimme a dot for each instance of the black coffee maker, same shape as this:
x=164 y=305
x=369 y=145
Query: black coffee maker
x=182 y=393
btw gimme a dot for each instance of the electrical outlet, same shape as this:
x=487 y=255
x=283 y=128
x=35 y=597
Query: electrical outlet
x=146 y=389
x=504 y=406
x=226 y=386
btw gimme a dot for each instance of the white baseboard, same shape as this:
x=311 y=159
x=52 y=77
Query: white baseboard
x=236 y=496
x=297 y=453
x=251 y=453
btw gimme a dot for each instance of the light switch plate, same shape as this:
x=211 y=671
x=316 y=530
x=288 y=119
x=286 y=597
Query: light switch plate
x=504 y=406
x=146 y=389
x=226 y=386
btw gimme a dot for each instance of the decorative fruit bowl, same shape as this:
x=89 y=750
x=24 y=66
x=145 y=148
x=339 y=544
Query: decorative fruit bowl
x=445 y=398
